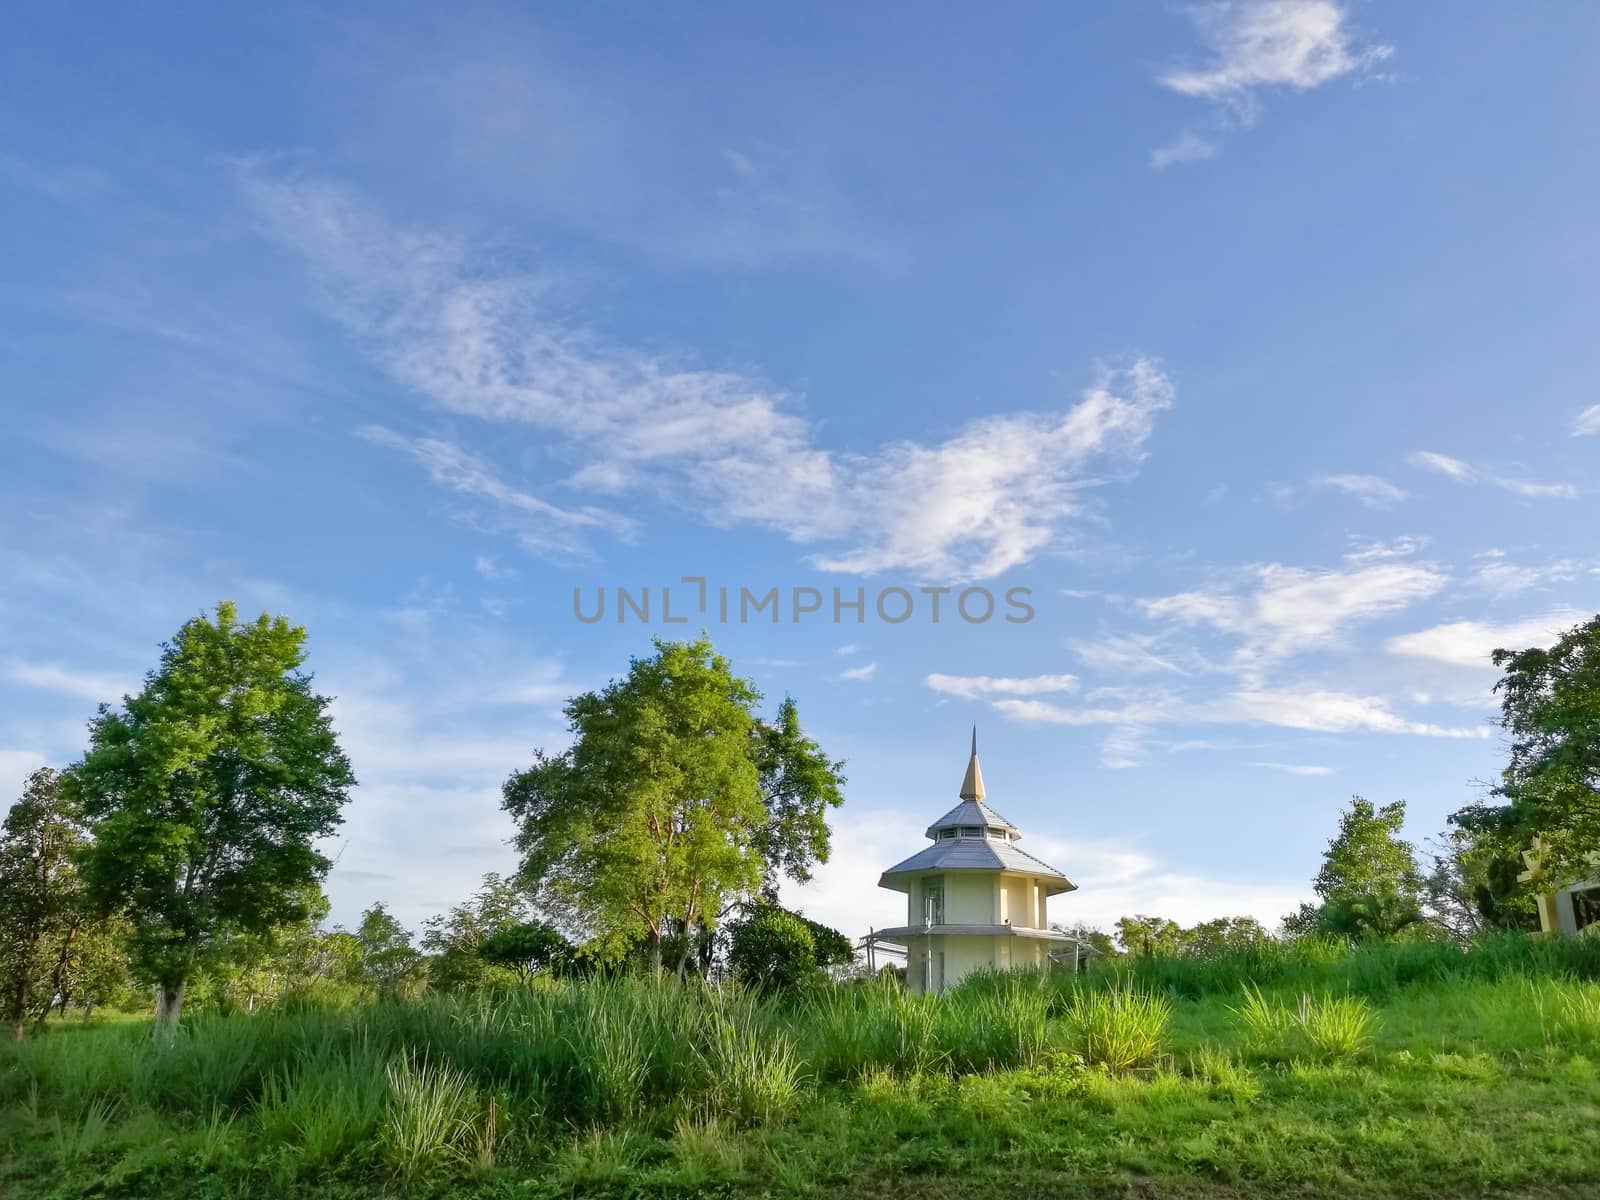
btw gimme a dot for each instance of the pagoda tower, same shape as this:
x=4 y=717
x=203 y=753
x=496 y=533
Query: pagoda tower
x=973 y=899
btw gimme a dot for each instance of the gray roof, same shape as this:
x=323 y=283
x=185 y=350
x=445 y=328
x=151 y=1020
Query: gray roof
x=976 y=854
x=970 y=813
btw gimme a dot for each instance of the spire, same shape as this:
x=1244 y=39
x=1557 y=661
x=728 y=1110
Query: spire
x=972 y=785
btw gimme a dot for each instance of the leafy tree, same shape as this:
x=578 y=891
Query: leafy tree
x=1099 y=942
x=799 y=784
x=1149 y=935
x=526 y=948
x=773 y=950
x=672 y=802
x=207 y=793
x=1550 y=705
x=453 y=939
x=1369 y=883
x=1223 y=935
x=387 y=957
x=42 y=909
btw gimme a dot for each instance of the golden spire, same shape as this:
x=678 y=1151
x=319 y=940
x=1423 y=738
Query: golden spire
x=972 y=785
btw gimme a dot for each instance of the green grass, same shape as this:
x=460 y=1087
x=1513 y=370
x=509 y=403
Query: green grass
x=1389 y=1072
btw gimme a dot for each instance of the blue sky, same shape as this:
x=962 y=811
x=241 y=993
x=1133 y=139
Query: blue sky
x=1258 y=340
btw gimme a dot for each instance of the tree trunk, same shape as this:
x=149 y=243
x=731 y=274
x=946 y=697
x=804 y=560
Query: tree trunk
x=655 y=951
x=17 y=1006
x=169 y=1004
x=88 y=1007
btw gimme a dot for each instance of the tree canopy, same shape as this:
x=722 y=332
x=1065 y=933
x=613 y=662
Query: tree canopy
x=1369 y=884
x=674 y=800
x=1550 y=706
x=207 y=792
x=42 y=909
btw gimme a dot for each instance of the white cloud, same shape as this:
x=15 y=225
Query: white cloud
x=1443 y=464
x=1463 y=472
x=1372 y=490
x=1125 y=654
x=1294 y=768
x=1469 y=643
x=66 y=681
x=538 y=524
x=971 y=687
x=1185 y=148
x=847 y=650
x=489 y=567
x=1330 y=712
x=861 y=674
x=1258 y=44
x=482 y=344
x=1587 y=422
x=1293 y=609
x=1501 y=578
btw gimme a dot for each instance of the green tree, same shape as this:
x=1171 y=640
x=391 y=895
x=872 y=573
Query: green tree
x=526 y=948
x=42 y=907
x=672 y=802
x=773 y=950
x=388 y=958
x=799 y=784
x=207 y=793
x=1369 y=885
x=1142 y=935
x=1550 y=705
x=453 y=939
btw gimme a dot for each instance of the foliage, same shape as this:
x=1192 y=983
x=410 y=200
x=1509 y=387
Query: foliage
x=453 y=939
x=672 y=801
x=1369 y=883
x=207 y=793
x=799 y=784
x=42 y=904
x=1157 y=935
x=1476 y=1081
x=773 y=950
x=1550 y=706
x=1120 y=1028
x=387 y=958
x=526 y=948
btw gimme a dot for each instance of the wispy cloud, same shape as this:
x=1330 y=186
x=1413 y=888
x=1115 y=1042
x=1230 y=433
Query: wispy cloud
x=860 y=674
x=537 y=523
x=1185 y=148
x=1294 y=768
x=1469 y=643
x=1500 y=577
x=1282 y=610
x=1464 y=472
x=1256 y=45
x=1372 y=490
x=490 y=568
x=68 y=681
x=1587 y=422
x=480 y=344
x=972 y=687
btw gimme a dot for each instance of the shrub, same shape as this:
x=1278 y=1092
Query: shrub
x=773 y=950
x=1121 y=1028
x=1336 y=1026
x=752 y=1072
x=435 y=1120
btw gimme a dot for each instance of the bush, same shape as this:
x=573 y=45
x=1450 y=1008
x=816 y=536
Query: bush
x=773 y=950
x=1120 y=1028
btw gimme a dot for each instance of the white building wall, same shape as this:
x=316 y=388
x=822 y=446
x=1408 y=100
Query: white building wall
x=969 y=898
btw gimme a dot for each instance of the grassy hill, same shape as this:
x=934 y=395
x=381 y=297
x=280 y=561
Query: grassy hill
x=1416 y=1069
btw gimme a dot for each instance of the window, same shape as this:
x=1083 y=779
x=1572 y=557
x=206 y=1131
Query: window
x=997 y=833
x=971 y=831
x=1586 y=907
x=947 y=835
x=933 y=902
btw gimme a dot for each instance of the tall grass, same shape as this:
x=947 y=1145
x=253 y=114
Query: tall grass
x=1121 y=1029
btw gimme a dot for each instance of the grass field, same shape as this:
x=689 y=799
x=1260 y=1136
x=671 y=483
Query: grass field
x=1409 y=1070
